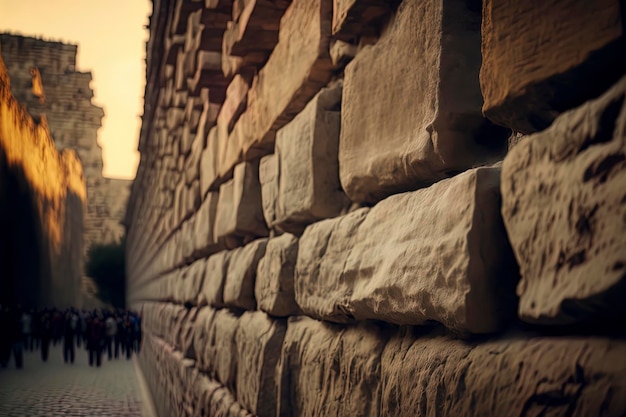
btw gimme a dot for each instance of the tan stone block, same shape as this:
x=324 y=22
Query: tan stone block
x=542 y=59
x=582 y=376
x=273 y=288
x=215 y=277
x=241 y=275
x=354 y=18
x=274 y=97
x=342 y=364
x=565 y=213
x=435 y=254
x=258 y=340
x=208 y=162
x=193 y=282
x=239 y=207
x=269 y=175
x=222 y=348
x=411 y=107
x=202 y=325
x=309 y=188
x=205 y=242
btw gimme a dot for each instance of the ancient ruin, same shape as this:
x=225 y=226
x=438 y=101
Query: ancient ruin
x=42 y=203
x=382 y=208
x=45 y=80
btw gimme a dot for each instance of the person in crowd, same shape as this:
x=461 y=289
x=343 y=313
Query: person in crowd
x=16 y=337
x=27 y=329
x=95 y=340
x=110 y=331
x=70 y=324
x=45 y=333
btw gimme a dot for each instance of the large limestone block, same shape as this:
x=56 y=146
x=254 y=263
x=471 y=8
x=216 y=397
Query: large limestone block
x=205 y=242
x=268 y=178
x=297 y=68
x=542 y=59
x=439 y=253
x=565 y=213
x=340 y=364
x=215 y=277
x=241 y=275
x=221 y=352
x=309 y=188
x=273 y=288
x=259 y=339
x=208 y=162
x=354 y=18
x=513 y=376
x=239 y=207
x=192 y=283
x=202 y=326
x=411 y=108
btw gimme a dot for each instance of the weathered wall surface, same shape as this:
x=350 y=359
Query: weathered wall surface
x=45 y=80
x=373 y=208
x=42 y=208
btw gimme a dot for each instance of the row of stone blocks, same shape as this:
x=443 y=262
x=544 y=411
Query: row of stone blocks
x=440 y=253
x=223 y=362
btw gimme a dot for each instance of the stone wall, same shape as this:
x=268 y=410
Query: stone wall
x=374 y=208
x=46 y=82
x=42 y=206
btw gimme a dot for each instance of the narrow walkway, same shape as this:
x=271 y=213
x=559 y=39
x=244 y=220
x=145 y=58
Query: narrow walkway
x=54 y=388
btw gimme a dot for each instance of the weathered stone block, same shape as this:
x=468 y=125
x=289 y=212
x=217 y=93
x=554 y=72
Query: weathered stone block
x=411 y=108
x=202 y=326
x=565 y=212
x=192 y=282
x=241 y=276
x=187 y=232
x=439 y=253
x=580 y=376
x=239 y=208
x=542 y=59
x=205 y=242
x=221 y=353
x=341 y=364
x=268 y=178
x=208 y=162
x=274 y=98
x=215 y=277
x=259 y=339
x=307 y=147
x=273 y=288
x=354 y=18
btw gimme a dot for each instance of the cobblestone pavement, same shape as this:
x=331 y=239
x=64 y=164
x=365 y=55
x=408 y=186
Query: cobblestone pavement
x=54 y=388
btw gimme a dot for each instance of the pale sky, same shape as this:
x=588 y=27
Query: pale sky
x=111 y=44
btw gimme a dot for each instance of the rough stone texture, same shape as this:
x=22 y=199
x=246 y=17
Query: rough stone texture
x=205 y=242
x=268 y=178
x=73 y=121
x=354 y=18
x=42 y=204
x=540 y=60
x=193 y=282
x=239 y=208
x=425 y=68
x=443 y=255
x=241 y=275
x=259 y=339
x=564 y=207
x=202 y=325
x=273 y=288
x=513 y=376
x=307 y=147
x=213 y=288
x=208 y=162
x=332 y=370
x=274 y=99
x=222 y=350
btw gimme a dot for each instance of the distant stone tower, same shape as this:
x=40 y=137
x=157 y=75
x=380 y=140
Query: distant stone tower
x=45 y=80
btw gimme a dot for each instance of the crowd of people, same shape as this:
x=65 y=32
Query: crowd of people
x=103 y=331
